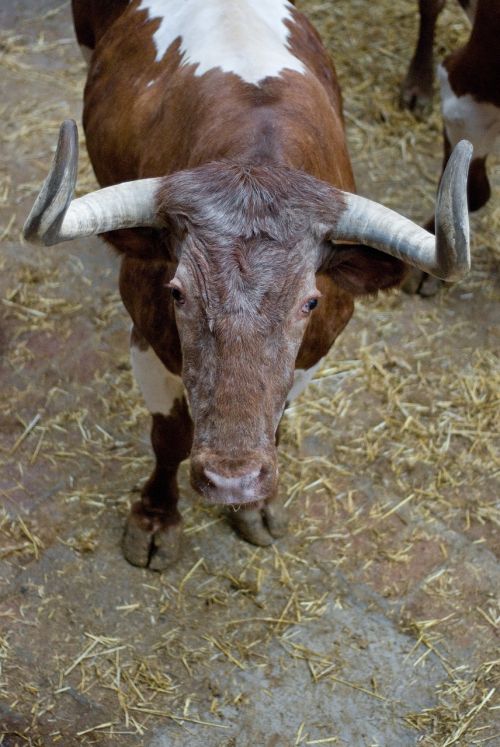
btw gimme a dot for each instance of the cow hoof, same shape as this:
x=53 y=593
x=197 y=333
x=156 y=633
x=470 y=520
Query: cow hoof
x=417 y=97
x=156 y=549
x=419 y=282
x=430 y=286
x=412 y=281
x=276 y=519
x=260 y=526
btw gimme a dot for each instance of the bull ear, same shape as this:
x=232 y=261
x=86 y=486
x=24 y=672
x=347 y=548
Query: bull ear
x=361 y=270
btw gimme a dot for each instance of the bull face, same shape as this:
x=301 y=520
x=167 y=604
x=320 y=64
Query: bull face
x=244 y=290
x=241 y=309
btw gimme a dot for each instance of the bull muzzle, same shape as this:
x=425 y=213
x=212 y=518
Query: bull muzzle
x=234 y=481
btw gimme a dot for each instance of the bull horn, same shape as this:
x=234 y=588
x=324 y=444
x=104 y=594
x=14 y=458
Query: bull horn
x=56 y=217
x=445 y=255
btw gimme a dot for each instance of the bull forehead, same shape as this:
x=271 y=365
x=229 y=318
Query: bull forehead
x=245 y=37
x=247 y=284
x=239 y=200
x=250 y=237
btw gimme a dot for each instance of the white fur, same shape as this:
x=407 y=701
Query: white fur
x=158 y=386
x=464 y=117
x=86 y=53
x=301 y=378
x=245 y=37
x=234 y=487
x=230 y=482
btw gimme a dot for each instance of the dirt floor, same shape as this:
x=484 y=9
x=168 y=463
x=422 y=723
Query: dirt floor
x=375 y=621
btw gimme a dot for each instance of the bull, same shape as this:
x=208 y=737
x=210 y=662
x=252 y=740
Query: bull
x=216 y=132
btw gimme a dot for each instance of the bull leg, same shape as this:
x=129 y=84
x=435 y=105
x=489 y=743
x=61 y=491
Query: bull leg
x=416 y=90
x=478 y=185
x=259 y=523
x=153 y=531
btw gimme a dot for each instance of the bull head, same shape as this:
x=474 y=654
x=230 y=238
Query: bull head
x=240 y=321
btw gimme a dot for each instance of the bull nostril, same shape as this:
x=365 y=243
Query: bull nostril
x=206 y=482
x=264 y=472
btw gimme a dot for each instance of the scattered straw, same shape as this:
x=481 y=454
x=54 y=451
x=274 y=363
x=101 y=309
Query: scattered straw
x=389 y=464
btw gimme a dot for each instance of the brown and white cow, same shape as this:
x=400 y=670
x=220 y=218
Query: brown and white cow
x=469 y=80
x=243 y=244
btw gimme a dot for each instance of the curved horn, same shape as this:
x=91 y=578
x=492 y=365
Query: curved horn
x=445 y=255
x=56 y=217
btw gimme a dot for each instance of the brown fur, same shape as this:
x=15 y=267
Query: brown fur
x=475 y=68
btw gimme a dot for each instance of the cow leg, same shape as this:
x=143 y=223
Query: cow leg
x=260 y=523
x=153 y=531
x=478 y=185
x=416 y=90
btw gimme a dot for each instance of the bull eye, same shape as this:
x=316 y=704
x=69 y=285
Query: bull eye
x=309 y=306
x=177 y=295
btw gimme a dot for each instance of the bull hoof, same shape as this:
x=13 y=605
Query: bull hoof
x=412 y=281
x=419 y=282
x=430 y=286
x=149 y=546
x=260 y=526
x=275 y=517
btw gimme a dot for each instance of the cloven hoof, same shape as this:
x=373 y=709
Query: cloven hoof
x=419 y=283
x=260 y=526
x=156 y=550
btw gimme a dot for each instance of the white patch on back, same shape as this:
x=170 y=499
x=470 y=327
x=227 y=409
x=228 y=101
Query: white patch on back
x=159 y=387
x=464 y=117
x=301 y=378
x=245 y=37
